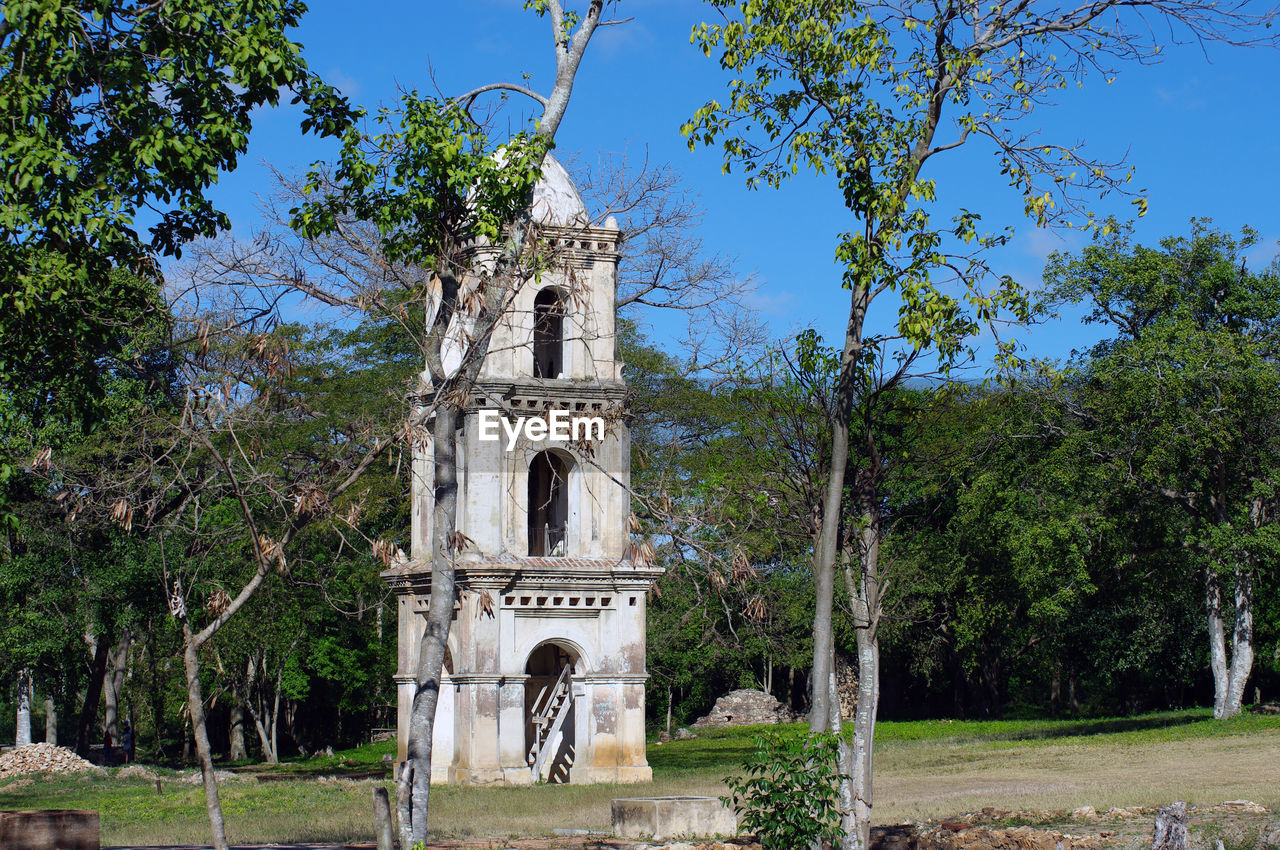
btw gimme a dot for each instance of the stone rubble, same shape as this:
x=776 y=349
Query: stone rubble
x=746 y=707
x=42 y=758
x=197 y=778
x=1016 y=838
x=136 y=771
x=1240 y=807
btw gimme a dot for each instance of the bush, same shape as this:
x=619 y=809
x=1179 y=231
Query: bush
x=788 y=796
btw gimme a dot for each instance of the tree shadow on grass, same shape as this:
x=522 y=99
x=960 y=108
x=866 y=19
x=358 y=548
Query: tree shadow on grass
x=1084 y=728
x=727 y=749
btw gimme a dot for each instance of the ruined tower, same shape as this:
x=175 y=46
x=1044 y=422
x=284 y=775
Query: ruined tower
x=545 y=671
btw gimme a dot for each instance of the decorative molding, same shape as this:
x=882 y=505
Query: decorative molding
x=556 y=613
x=615 y=678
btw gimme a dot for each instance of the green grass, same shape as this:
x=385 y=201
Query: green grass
x=725 y=749
x=924 y=769
x=364 y=759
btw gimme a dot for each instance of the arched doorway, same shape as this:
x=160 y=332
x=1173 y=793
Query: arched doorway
x=548 y=505
x=549 y=712
x=548 y=334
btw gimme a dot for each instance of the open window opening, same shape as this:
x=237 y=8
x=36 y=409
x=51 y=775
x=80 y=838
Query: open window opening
x=548 y=505
x=548 y=334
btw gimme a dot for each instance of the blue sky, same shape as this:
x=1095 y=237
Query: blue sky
x=1201 y=130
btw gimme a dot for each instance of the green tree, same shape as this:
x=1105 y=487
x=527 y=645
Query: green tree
x=870 y=94
x=1184 y=403
x=121 y=110
x=85 y=574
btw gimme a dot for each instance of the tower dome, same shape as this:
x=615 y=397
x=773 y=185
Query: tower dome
x=555 y=199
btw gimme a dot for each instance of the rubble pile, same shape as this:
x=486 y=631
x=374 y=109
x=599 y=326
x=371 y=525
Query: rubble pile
x=1018 y=838
x=197 y=777
x=41 y=758
x=746 y=708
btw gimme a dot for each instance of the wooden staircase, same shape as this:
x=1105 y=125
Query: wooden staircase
x=549 y=712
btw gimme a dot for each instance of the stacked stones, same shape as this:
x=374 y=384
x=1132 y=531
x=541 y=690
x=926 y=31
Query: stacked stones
x=746 y=708
x=41 y=758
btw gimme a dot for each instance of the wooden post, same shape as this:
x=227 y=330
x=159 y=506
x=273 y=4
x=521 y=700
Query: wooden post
x=382 y=818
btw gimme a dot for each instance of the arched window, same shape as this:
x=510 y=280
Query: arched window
x=548 y=334
x=548 y=505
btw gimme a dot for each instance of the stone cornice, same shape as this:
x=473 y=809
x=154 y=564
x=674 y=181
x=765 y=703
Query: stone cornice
x=511 y=573
x=613 y=678
x=517 y=393
x=580 y=247
x=531 y=396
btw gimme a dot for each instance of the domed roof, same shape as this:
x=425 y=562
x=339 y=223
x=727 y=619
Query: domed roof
x=555 y=199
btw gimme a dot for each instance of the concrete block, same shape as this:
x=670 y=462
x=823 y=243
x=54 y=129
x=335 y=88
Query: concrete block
x=664 y=818
x=52 y=829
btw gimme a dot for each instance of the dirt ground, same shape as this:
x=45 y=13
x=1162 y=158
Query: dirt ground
x=1232 y=825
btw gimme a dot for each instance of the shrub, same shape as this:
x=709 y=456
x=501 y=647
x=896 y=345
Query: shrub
x=788 y=794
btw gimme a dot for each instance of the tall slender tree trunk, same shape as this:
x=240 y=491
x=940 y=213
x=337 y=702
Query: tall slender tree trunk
x=414 y=788
x=1217 y=640
x=275 y=722
x=1241 y=643
x=50 y=721
x=260 y=723
x=99 y=647
x=204 y=753
x=156 y=693
x=236 y=731
x=824 y=714
x=864 y=586
x=113 y=685
x=22 y=730
x=1230 y=675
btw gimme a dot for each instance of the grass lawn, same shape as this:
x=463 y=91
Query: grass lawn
x=928 y=769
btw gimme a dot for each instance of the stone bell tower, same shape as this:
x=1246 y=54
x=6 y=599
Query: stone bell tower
x=545 y=670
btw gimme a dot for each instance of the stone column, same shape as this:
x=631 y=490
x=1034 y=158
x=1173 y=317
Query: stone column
x=583 y=742
x=405 y=687
x=633 y=765
x=479 y=729
x=512 y=723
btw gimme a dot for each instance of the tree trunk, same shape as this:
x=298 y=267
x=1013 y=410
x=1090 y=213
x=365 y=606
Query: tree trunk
x=98 y=649
x=824 y=712
x=1241 y=644
x=236 y=731
x=264 y=738
x=22 y=731
x=113 y=686
x=195 y=706
x=50 y=721
x=414 y=788
x=275 y=720
x=864 y=588
x=156 y=695
x=267 y=720
x=382 y=818
x=1217 y=641
x=1170 y=831
x=858 y=834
